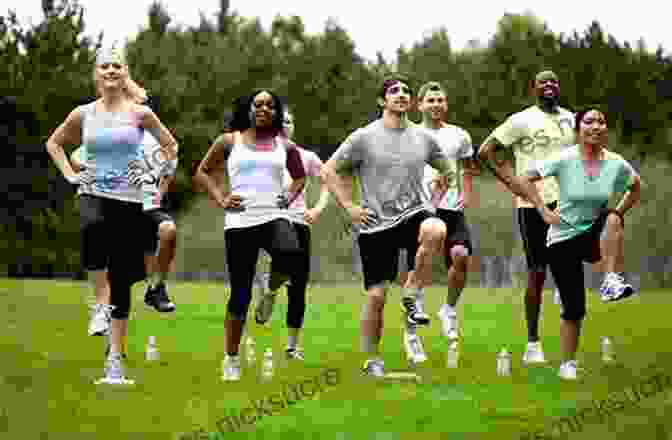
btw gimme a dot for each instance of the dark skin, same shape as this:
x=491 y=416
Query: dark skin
x=547 y=92
x=213 y=162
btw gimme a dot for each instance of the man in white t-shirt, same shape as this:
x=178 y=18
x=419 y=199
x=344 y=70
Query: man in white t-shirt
x=533 y=135
x=450 y=203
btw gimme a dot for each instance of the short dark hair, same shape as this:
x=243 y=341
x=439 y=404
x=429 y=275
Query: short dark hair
x=431 y=86
x=241 y=111
x=581 y=112
x=392 y=79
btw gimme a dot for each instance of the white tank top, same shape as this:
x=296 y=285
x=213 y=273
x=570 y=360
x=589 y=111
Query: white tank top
x=257 y=176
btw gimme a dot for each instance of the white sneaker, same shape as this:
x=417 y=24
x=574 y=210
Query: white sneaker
x=374 y=368
x=101 y=318
x=414 y=350
x=534 y=354
x=449 y=325
x=568 y=370
x=114 y=372
x=614 y=288
x=231 y=368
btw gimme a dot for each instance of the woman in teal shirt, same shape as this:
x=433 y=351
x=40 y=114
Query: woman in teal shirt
x=588 y=175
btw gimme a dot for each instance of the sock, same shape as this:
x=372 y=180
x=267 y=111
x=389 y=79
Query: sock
x=453 y=296
x=449 y=310
x=420 y=299
x=293 y=338
x=157 y=278
x=408 y=293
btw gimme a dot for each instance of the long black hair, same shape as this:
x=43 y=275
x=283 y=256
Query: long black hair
x=241 y=111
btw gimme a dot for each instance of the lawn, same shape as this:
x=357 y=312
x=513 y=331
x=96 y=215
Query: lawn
x=49 y=364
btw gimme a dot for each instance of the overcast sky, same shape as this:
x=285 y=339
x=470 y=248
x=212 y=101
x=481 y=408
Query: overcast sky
x=383 y=26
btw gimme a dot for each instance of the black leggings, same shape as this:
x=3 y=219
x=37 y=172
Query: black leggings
x=296 y=291
x=113 y=237
x=276 y=237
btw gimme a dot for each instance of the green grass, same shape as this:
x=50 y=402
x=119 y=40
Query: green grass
x=49 y=364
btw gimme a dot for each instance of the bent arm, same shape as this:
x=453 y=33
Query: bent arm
x=214 y=160
x=631 y=197
x=167 y=142
x=340 y=186
x=69 y=132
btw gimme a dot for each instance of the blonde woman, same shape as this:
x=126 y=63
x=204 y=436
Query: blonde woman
x=112 y=128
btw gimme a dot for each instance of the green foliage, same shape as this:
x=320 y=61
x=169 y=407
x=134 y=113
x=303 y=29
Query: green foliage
x=195 y=73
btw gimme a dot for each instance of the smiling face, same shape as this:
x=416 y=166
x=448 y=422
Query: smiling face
x=547 y=86
x=262 y=110
x=593 y=128
x=397 y=98
x=434 y=105
x=111 y=75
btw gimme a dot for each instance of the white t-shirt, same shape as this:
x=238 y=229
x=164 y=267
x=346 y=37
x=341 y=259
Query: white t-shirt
x=535 y=135
x=456 y=144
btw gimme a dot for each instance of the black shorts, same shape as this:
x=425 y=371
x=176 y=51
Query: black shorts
x=113 y=236
x=566 y=263
x=458 y=233
x=156 y=217
x=533 y=232
x=379 y=251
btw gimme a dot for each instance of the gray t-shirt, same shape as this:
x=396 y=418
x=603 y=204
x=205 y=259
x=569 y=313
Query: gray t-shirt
x=389 y=163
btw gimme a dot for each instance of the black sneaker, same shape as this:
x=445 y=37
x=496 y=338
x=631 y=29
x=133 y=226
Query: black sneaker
x=294 y=354
x=157 y=298
x=413 y=316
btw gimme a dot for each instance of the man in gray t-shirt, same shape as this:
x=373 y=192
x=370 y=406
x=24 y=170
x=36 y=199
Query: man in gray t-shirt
x=388 y=156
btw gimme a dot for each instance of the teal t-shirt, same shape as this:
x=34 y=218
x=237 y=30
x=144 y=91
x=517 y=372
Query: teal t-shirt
x=582 y=197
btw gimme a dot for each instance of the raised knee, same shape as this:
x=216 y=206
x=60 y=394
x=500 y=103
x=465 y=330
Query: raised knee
x=167 y=231
x=432 y=231
x=614 y=221
x=459 y=254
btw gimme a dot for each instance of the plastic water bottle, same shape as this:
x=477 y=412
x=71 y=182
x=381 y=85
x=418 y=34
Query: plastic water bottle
x=267 y=366
x=607 y=350
x=504 y=363
x=152 y=353
x=250 y=353
x=453 y=356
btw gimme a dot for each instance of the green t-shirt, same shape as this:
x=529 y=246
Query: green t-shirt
x=582 y=198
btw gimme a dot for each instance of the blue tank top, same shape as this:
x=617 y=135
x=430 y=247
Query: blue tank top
x=113 y=143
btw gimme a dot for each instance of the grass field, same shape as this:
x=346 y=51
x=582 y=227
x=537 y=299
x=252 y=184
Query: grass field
x=49 y=363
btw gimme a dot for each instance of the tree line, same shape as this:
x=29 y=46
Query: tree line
x=194 y=73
